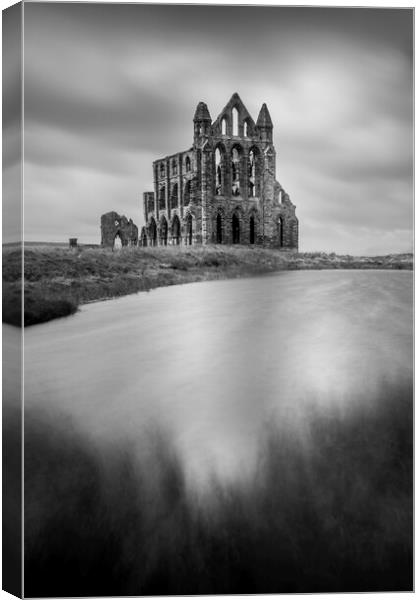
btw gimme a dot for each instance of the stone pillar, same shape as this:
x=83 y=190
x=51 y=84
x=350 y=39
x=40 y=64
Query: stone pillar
x=156 y=185
x=267 y=196
x=206 y=172
x=241 y=175
x=168 y=189
x=180 y=190
x=203 y=198
x=228 y=188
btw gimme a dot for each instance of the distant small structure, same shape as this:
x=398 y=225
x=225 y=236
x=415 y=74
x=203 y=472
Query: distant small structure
x=117 y=229
x=72 y=242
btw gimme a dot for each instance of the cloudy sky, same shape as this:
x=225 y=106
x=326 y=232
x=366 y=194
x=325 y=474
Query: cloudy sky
x=110 y=88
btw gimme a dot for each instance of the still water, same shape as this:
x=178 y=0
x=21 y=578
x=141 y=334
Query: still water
x=214 y=362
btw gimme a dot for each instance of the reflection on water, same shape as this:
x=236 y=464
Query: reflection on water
x=213 y=362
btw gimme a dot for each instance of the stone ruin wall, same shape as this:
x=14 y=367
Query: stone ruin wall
x=115 y=226
x=197 y=200
x=216 y=214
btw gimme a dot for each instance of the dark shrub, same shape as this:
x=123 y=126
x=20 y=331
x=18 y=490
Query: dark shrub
x=39 y=309
x=12 y=304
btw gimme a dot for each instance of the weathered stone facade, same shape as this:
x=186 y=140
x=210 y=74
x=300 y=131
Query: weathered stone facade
x=223 y=189
x=115 y=227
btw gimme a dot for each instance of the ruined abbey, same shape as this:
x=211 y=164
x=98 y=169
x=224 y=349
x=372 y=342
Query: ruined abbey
x=117 y=228
x=223 y=190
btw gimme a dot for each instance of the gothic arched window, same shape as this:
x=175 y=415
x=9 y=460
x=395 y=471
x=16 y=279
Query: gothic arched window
x=189 y=230
x=235 y=170
x=251 y=230
x=251 y=173
x=187 y=193
x=153 y=232
x=219 y=229
x=218 y=171
x=235 y=121
x=176 y=230
x=163 y=231
x=236 y=229
x=162 y=198
x=281 y=231
x=143 y=237
x=174 y=196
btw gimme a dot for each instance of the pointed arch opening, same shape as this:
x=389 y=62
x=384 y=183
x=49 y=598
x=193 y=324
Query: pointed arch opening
x=176 y=230
x=188 y=164
x=163 y=231
x=224 y=126
x=236 y=229
x=162 y=198
x=153 y=232
x=236 y=153
x=235 y=121
x=174 y=196
x=219 y=229
x=189 y=230
x=253 y=172
x=143 y=237
x=118 y=242
x=281 y=231
x=252 y=229
x=218 y=167
x=187 y=193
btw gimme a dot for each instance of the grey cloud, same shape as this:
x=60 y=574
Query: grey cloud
x=12 y=145
x=67 y=202
x=12 y=203
x=227 y=24
x=109 y=88
x=11 y=63
x=59 y=148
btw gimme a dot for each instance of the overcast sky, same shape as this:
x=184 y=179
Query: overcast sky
x=110 y=88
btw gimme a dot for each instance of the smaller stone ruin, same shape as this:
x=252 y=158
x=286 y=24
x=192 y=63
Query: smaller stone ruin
x=117 y=230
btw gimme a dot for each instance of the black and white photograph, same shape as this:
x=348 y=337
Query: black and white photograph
x=208 y=298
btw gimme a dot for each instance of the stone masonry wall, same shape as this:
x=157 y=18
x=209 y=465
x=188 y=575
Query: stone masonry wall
x=115 y=226
x=237 y=200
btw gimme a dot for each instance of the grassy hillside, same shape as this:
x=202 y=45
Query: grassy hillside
x=58 y=280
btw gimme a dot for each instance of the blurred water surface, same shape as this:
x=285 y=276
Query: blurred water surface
x=214 y=362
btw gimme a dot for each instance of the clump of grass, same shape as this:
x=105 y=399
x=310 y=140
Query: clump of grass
x=39 y=308
x=41 y=304
x=12 y=304
x=331 y=512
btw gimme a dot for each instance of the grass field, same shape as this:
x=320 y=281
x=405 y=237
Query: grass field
x=330 y=513
x=57 y=280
